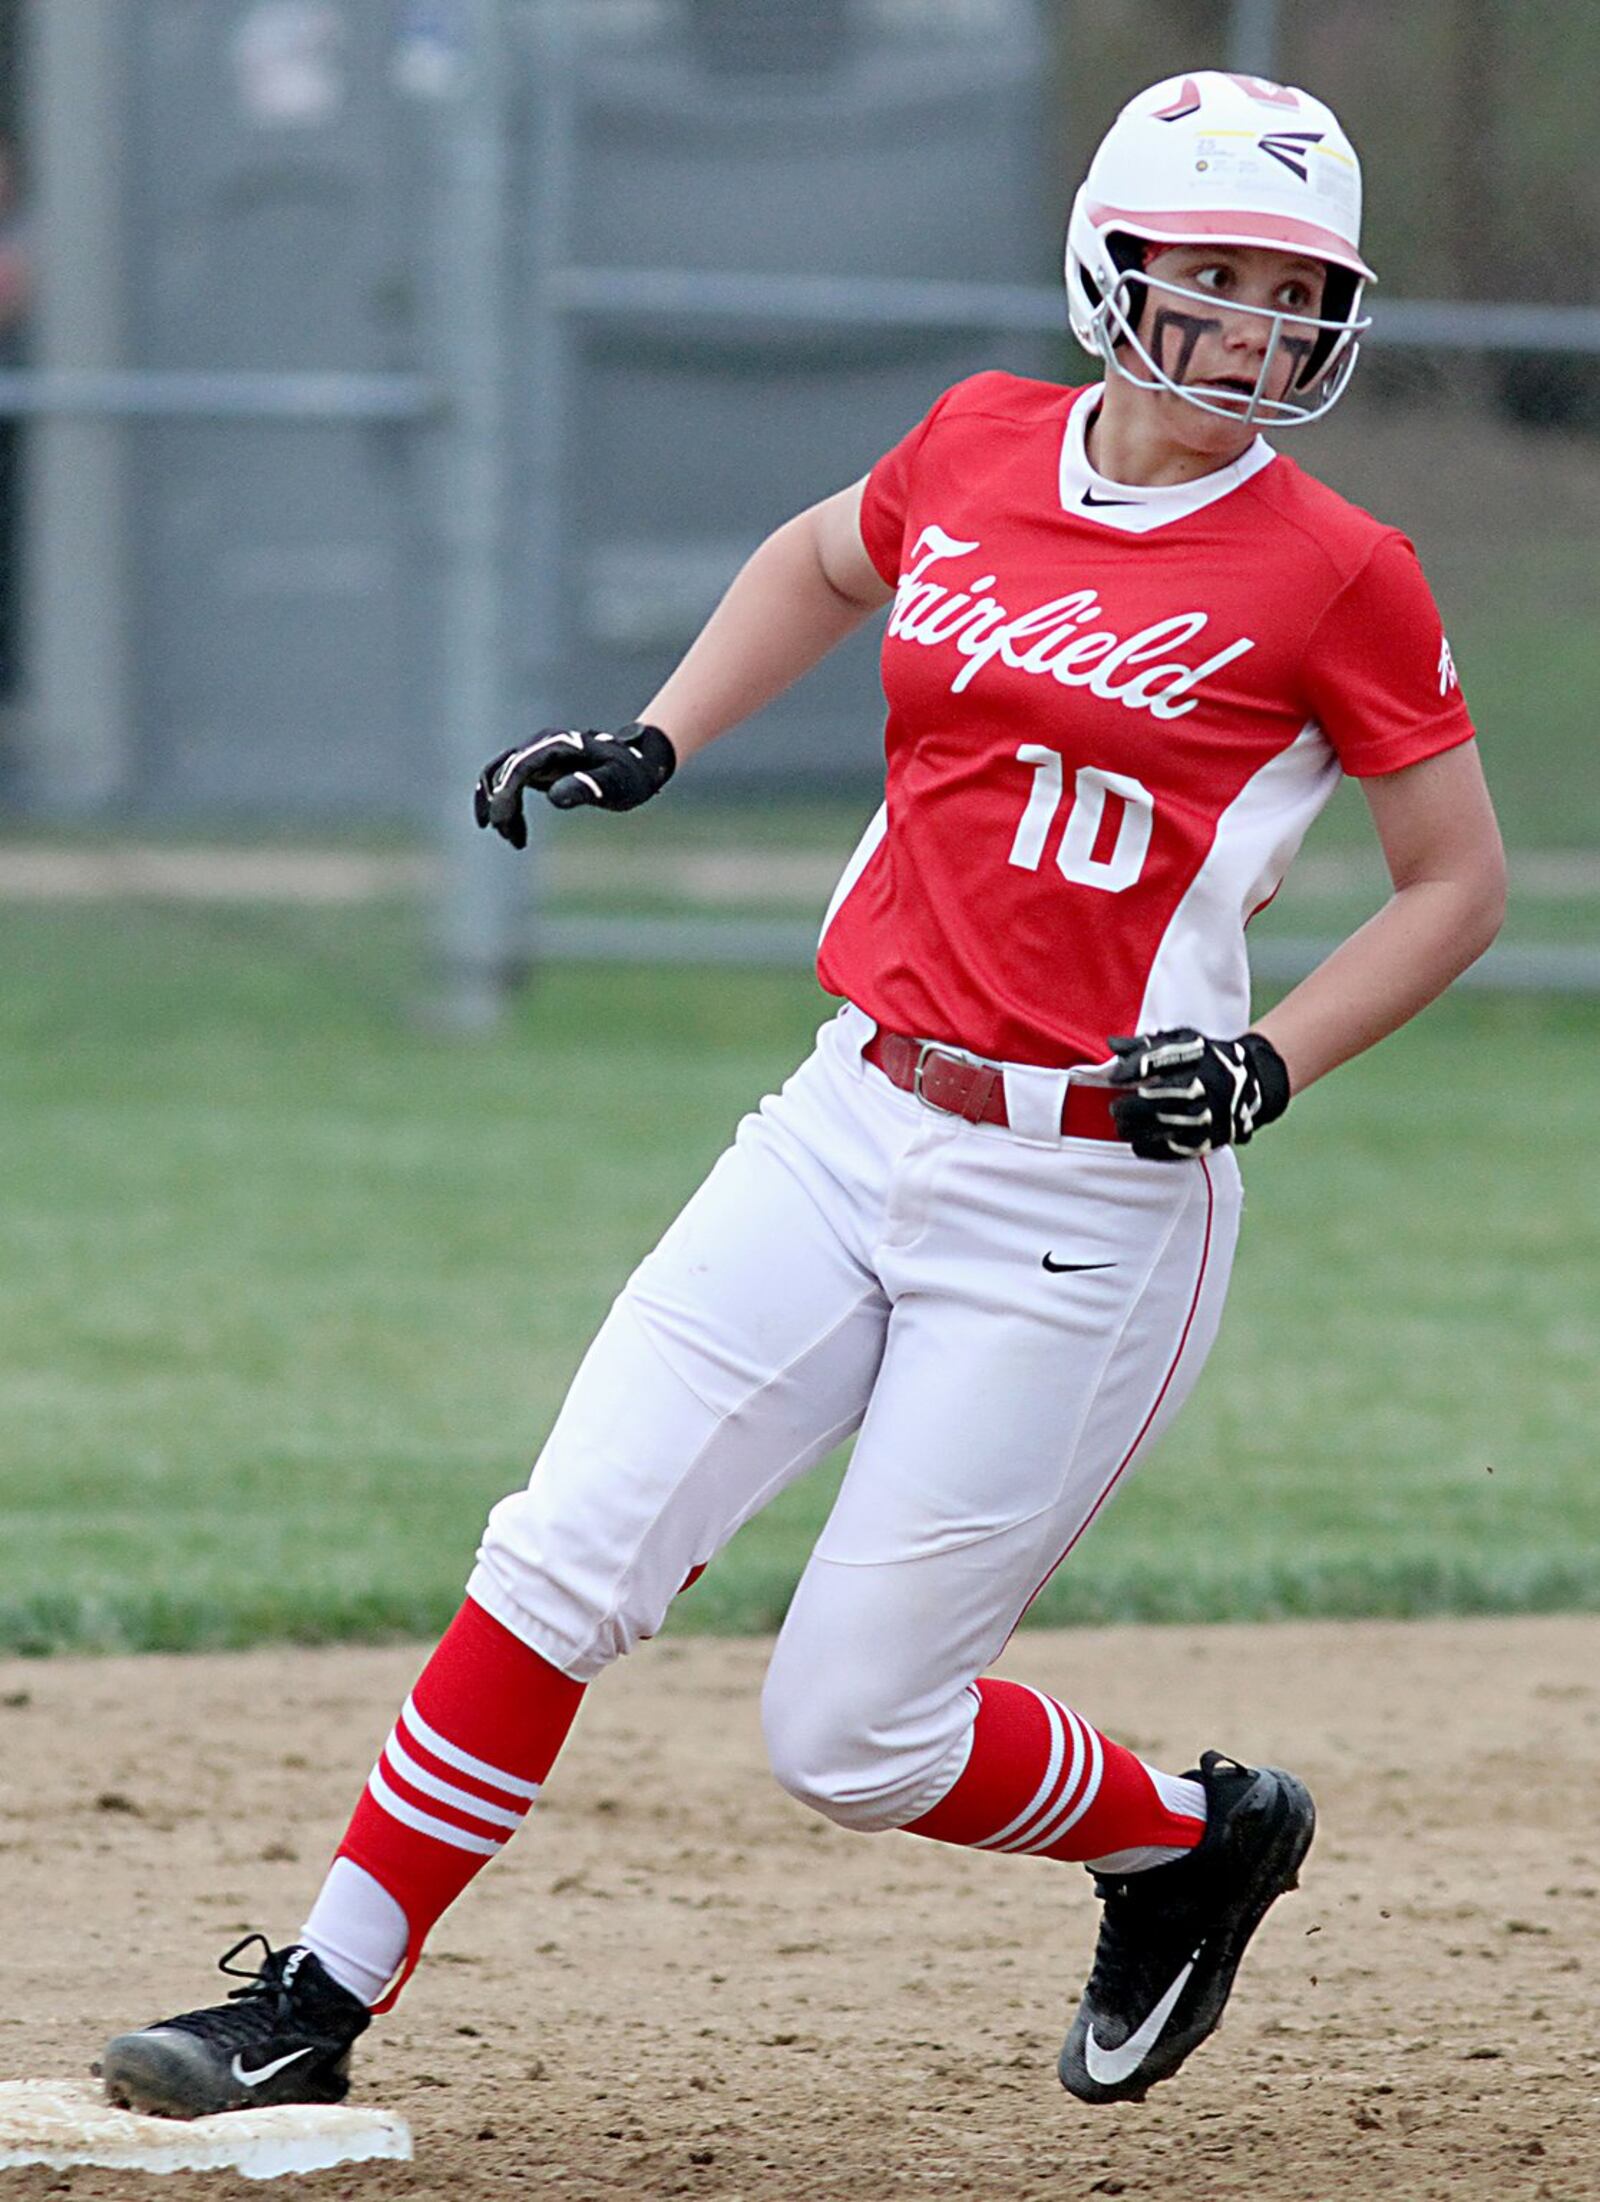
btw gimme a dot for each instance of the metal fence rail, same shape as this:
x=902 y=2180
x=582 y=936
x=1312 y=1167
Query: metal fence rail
x=859 y=302
x=594 y=296
x=790 y=944
x=132 y=394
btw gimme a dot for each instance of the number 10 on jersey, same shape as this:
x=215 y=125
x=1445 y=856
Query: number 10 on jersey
x=1107 y=836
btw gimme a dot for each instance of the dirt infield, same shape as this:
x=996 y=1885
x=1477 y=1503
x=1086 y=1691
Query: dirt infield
x=678 y=1983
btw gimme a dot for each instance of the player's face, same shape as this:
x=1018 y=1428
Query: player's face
x=1219 y=331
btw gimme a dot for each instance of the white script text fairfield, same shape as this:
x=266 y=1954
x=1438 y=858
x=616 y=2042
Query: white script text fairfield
x=1052 y=638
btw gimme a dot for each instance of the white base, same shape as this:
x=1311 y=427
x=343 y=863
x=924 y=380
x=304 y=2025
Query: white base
x=67 y=2122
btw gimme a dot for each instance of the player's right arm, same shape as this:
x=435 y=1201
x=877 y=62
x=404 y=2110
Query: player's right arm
x=809 y=585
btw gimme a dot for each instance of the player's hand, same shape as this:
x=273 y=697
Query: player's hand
x=1185 y=1095
x=616 y=771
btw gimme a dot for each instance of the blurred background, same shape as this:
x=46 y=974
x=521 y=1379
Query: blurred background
x=380 y=379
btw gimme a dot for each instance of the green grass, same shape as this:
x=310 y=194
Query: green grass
x=1531 y=672
x=289 y=1292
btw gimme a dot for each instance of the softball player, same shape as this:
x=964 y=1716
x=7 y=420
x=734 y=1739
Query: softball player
x=988 y=1224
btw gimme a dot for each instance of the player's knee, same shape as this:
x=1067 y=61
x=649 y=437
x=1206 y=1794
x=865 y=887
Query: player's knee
x=562 y=1584
x=843 y=1758
x=836 y=1782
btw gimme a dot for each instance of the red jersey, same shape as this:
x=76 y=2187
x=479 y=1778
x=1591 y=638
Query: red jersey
x=1113 y=713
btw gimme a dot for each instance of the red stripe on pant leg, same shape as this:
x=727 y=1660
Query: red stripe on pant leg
x=1010 y=1783
x=486 y=1693
x=1166 y=1386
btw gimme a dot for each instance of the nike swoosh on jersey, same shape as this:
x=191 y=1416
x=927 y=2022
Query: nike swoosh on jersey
x=1110 y=2067
x=1089 y=498
x=1059 y=1269
x=265 y=2072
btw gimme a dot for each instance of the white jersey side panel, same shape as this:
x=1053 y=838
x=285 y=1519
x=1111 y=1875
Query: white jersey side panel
x=1201 y=972
x=861 y=856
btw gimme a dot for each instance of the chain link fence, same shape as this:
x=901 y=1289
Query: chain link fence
x=547 y=558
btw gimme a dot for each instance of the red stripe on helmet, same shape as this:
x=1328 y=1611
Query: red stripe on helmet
x=1220 y=228
x=1186 y=103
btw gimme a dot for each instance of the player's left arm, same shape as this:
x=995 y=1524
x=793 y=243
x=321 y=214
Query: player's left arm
x=1447 y=867
x=1185 y=1094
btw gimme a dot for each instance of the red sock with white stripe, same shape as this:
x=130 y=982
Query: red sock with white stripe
x=1040 y=1780
x=474 y=1741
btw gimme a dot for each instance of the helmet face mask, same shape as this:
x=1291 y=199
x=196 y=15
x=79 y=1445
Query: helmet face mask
x=1327 y=344
x=1221 y=160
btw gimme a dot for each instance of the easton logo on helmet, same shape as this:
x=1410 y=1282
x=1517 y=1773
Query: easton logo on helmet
x=1291 y=147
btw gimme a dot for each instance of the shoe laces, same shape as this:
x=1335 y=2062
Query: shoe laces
x=253 y=2012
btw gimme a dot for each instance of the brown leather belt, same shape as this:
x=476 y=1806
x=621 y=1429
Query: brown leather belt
x=977 y=1091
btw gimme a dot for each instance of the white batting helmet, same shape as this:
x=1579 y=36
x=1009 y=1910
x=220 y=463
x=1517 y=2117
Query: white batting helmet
x=1211 y=158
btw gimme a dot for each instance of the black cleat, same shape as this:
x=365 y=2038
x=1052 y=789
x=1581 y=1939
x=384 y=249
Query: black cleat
x=1172 y=1937
x=282 y=2038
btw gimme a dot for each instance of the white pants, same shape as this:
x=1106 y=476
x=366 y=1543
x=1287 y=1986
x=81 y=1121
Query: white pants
x=857 y=1259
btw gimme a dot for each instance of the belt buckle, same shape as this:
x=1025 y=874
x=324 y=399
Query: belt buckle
x=925 y=1048
x=982 y=1083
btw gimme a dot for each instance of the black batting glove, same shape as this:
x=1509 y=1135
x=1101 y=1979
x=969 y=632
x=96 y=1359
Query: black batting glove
x=614 y=771
x=1186 y=1095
